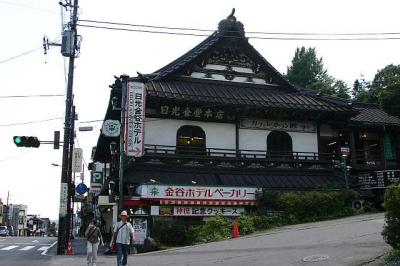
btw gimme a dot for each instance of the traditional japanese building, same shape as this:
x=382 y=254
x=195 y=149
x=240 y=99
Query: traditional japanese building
x=210 y=129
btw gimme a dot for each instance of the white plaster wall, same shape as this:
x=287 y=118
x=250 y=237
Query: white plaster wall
x=163 y=132
x=304 y=142
x=255 y=139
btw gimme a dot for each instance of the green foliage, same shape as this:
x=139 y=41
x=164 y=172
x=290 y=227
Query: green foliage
x=392 y=257
x=215 y=228
x=307 y=71
x=311 y=206
x=246 y=224
x=171 y=233
x=361 y=90
x=391 y=230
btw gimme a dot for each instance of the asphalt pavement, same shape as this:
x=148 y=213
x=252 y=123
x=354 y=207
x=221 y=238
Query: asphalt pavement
x=350 y=241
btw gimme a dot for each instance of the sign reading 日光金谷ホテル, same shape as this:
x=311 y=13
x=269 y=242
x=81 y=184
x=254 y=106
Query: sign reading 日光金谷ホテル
x=134 y=123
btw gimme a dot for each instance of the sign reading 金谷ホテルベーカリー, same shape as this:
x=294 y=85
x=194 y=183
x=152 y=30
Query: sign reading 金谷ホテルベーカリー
x=134 y=123
x=197 y=192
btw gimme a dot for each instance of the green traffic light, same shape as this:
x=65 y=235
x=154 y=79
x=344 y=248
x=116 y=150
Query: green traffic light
x=17 y=140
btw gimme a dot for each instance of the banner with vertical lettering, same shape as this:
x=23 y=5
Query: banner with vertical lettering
x=134 y=122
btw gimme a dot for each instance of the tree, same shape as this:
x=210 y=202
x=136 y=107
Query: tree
x=307 y=71
x=361 y=89
x=391 y=230
x=385 y=89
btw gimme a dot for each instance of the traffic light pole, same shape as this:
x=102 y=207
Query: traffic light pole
x=63 y=223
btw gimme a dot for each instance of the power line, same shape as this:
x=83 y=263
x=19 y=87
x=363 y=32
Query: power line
x=26 y=6
x=31 y=122
x=31 y=96
x=248 y=32
x=16 y=56
x=251 y=37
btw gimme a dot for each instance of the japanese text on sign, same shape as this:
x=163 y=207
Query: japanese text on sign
x=194 y=113
x=197 y=192
x=278 y=125
x=135 y=112
x=207 y=211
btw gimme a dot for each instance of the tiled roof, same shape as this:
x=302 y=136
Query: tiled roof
x=372 y=115
x=229 y=93
x=307 y=181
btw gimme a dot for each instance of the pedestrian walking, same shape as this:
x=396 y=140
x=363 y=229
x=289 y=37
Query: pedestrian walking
x=94 y=238
x=123 y=235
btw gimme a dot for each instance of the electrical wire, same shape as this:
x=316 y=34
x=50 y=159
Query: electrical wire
x=249 y=32
x=26 y=6
x=30 y=96
x=22 y=54
x=250 y=37
x=16 y=156
x=31 y=122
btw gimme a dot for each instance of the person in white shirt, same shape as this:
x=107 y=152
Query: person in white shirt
x=123 y=235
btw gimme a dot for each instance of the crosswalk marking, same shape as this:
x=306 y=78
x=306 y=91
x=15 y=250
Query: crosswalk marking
x=27 y=248
x=9 y=247
x=43 y=248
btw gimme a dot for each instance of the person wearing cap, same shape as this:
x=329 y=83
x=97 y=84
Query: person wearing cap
x=93 y=236
x=123 y=235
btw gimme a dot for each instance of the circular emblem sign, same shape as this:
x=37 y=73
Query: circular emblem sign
x=111 y=128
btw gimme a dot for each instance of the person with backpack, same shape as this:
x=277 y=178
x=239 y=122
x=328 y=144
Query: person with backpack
x=123 y=236
x=94 y=237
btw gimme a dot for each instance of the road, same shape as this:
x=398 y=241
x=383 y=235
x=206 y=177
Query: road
x=349 y=241
x=24 y=250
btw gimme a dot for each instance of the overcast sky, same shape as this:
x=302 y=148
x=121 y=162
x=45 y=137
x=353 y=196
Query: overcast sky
x=28 y=173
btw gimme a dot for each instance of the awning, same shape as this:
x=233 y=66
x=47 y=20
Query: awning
x=136 y=202
x=285 y=179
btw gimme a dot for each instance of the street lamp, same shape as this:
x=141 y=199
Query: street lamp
x=345 y=170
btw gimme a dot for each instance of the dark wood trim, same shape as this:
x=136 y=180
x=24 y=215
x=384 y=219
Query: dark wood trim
x=319 y=135
x=353 y=148
x=237 y=129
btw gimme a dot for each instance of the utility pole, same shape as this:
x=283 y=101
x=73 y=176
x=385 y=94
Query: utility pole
x=124 y=79
x=63 y=230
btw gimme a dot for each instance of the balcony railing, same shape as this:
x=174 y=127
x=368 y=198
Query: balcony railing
x=368 y=159
x=241 y=157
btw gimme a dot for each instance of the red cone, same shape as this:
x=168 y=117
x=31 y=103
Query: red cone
x=236 y=232
x=70 y=251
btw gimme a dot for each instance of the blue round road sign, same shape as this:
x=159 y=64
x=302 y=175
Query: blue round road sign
x=81 y=189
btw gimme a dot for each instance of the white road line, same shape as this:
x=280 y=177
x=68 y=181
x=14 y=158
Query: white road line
x=35 y=241
x=9 y=247
x=27 y=248
x=43 y=248
x=44 y=253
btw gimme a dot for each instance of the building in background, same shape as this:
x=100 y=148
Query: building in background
x=2 y=219
x=37 y=226
x=18 y=219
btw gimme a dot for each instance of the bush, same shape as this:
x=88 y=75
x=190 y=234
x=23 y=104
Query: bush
x=391 y=231
x=246 y=224
x=171 y=233
x=309 y=206
x=215 y=228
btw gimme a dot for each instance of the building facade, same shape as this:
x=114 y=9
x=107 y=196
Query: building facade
x=18 y=219
x=207 y=132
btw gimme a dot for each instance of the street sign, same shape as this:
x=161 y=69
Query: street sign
x=81 y=188
x=135 y=116
x=96 y=178
x=63 y=199
x=77 y=156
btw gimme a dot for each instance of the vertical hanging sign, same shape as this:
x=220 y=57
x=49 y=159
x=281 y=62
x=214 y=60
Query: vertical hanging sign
x=134 y=122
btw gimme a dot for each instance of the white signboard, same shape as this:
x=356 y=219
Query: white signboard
x=63 y=199
x=111 y=128
x=207 y=211
x=140 y=227
x=197 y=192
x=77 y=156
x=134 y=124
x=278 y=125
